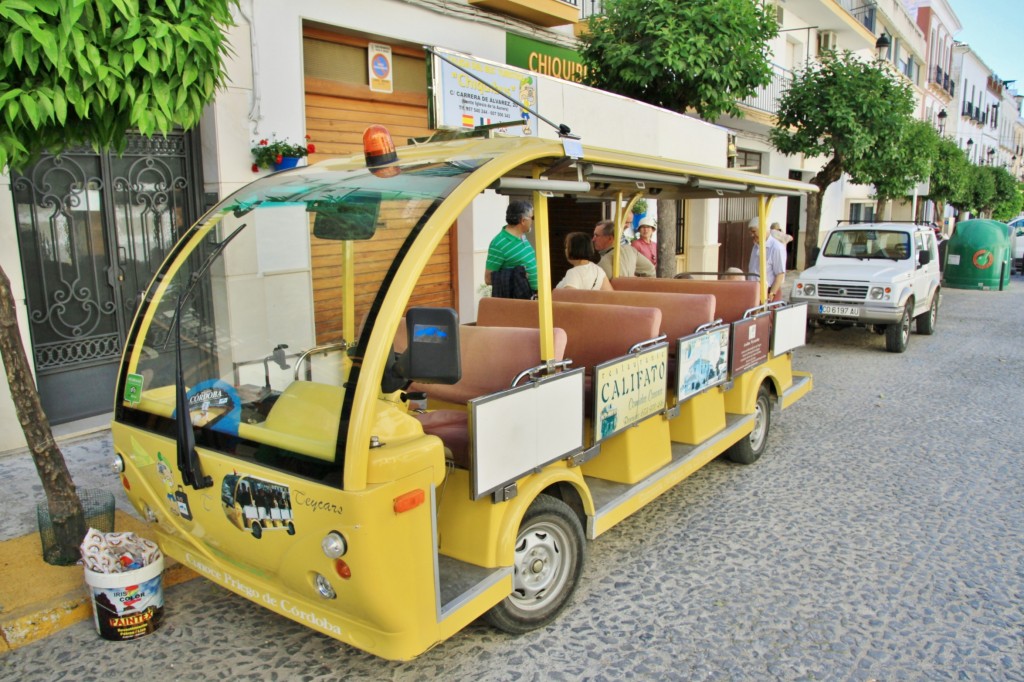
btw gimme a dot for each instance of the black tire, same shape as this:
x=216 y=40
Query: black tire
x=750 y=449
x=257 y=530
x=549 y=554
x=898 y=335
x=926 y=321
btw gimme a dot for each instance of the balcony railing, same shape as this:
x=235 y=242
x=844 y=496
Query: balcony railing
x=766 y=99
x=588 y=8
x=863 y=11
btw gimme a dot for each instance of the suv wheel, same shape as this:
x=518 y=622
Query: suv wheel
x=897 y=335
x=926 y=322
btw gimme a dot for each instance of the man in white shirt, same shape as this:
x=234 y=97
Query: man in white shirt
x=774 y=263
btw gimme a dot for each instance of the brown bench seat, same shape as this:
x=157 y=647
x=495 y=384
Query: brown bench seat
x=491 y=358
x=681 y=314
x=732 y=298
x=595 y=332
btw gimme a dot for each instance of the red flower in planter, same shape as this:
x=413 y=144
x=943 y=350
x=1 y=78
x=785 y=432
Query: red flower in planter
x=268 y=153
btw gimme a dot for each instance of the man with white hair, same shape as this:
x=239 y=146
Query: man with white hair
x=774 y=262
x=631 y=264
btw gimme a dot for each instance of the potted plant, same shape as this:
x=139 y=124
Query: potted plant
x=279 y=154
x=639 y=211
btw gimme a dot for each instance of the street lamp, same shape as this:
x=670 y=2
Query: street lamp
x=882 y=45
x=942 y=121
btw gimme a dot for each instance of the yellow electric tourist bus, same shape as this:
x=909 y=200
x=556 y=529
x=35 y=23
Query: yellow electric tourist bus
x=423 y=473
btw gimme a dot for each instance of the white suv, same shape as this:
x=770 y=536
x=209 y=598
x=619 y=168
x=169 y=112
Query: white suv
x=875 y=275
x=1017 y=239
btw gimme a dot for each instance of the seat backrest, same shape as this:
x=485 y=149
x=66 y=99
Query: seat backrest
x=681 y=314
x=732 y=298
x=595 y=332
x=491 y=359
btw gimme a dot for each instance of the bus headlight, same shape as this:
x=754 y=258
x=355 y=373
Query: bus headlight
x=334 y=545
x=323 y=587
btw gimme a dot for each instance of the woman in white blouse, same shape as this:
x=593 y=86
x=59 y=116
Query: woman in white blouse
x=584 y=273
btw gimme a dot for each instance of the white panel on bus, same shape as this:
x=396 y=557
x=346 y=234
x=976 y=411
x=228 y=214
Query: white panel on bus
x=526 y=427
x=790 y=328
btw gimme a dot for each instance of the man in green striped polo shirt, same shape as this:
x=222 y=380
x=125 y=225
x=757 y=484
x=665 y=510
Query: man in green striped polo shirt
x=509 y=247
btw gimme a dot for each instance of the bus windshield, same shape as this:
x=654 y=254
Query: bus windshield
x=271 y=294
x=892 y=244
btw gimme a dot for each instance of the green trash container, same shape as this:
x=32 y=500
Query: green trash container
x=978 y=256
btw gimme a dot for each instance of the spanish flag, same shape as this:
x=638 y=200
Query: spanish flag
x=467 y=121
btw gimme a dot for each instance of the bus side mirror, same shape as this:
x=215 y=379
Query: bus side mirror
x=432 y=356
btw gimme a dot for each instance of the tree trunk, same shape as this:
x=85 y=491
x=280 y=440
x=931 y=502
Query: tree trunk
x=667 y=221
x=66 y=512
x=881 y=206
x=831 y=172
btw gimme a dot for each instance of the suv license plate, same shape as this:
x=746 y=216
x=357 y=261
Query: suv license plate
x=844 y=310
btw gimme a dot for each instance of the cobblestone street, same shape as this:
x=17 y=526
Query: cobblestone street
x=878 y=539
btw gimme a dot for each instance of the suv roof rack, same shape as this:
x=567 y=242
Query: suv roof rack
x=923 y=223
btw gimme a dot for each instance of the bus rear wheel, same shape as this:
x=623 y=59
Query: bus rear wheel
x=750 y=449
x=549 y=554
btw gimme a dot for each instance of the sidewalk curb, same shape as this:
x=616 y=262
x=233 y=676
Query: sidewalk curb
x=63 y=598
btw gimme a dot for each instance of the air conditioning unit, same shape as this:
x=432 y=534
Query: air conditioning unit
x=828 y=41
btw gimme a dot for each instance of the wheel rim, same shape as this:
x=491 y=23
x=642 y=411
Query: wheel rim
x=541 y=565
x=760 y=422
x=905 y=327
x=934 y=312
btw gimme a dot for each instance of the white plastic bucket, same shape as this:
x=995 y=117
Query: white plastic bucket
x=127 y=605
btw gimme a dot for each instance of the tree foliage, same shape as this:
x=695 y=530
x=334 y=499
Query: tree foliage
x=980 y=189
x=846 y=110
x=1012 y=206
x=1007 y=201
x=906 y=162
x=87 y=71
x=950 y=173
x=703 y=55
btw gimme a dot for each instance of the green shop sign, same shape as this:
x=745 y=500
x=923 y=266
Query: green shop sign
x=545 y=59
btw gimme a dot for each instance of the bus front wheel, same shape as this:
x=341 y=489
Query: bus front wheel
x=549 y=554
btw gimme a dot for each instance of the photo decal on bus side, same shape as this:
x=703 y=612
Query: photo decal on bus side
x=629 y=390
x=255 y=505
x=702 y=362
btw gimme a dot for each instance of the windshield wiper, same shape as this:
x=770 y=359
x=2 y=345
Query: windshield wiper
x=188 y=459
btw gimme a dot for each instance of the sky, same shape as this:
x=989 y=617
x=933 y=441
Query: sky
x=995 y=31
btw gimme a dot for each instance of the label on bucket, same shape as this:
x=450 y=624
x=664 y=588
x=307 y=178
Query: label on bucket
x=128 y=612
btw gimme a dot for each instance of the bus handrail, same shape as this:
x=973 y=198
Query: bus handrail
x=708 y=325
x=534 y=372
x=644 y=345
x=304 y=357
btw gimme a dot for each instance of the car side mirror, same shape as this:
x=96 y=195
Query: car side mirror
x=432 y=356
x=924 y=257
